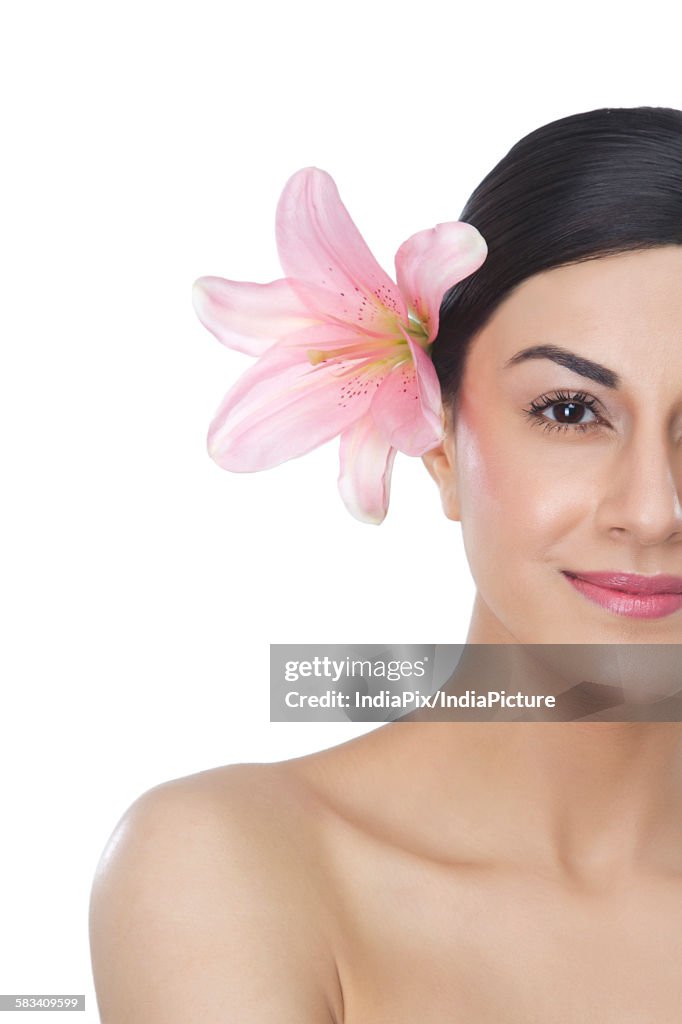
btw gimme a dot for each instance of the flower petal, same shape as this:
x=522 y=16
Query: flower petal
x=249 y=317
x=366 y=465
x=319 y=244
x=432 y=261
x=407 y=406
x=283 y=407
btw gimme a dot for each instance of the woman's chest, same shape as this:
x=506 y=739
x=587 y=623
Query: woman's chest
x=477 y=946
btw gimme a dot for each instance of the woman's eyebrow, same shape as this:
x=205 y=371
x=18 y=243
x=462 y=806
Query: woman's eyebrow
x=562 y=356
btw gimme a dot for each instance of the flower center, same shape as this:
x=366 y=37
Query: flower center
x=417 y=331
x=383 y=351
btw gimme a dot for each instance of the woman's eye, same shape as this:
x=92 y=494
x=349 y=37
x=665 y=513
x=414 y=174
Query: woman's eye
x=563 y=411
x=569 y=412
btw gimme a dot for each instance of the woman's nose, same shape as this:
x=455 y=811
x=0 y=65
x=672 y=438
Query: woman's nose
x=642 y=497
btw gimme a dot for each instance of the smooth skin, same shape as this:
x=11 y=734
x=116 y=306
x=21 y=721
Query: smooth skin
x=440 y=872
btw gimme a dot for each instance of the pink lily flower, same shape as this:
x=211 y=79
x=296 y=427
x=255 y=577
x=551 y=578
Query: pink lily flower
x=342 y=350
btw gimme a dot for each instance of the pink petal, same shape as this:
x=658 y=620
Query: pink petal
x=357 y=313
x=283 y=407
x=249 y=317
x=319 y=245
x=366 y=465
x=430 y=262
x=407 y=405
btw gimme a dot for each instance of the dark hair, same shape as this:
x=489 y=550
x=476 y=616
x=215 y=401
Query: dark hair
x=589 y=185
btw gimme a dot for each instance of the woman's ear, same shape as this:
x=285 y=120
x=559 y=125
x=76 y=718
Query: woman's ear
x=442 y=465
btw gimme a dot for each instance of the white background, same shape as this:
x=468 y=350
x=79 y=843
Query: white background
x=145 y=145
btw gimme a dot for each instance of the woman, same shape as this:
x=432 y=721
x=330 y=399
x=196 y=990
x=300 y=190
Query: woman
x=463 y=871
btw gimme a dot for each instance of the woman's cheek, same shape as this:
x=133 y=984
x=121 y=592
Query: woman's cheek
x=496 y=484
x=496 y=501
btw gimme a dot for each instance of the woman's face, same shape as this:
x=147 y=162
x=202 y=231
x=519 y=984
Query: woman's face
x=544 y=488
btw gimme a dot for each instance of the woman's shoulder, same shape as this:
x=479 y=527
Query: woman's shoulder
x=210 y=889
x=240 y=822
x=247 y=815
x=233 y=805
x=254 y=810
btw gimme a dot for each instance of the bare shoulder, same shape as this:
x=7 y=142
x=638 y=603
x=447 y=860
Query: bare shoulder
x=209 y=904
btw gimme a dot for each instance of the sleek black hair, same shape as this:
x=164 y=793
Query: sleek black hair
x=594 y=184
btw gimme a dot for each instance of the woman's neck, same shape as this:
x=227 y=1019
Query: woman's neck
x=592 y=802
x=593 y=798
x=588 y=796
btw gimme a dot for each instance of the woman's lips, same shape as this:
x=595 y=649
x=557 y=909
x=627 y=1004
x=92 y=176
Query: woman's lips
x=641 y=597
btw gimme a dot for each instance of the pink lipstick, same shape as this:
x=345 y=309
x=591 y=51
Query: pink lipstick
x=641 y=597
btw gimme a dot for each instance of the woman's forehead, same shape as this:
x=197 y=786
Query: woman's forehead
x=626 y=308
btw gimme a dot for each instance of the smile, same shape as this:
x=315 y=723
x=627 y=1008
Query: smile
x=640 y=597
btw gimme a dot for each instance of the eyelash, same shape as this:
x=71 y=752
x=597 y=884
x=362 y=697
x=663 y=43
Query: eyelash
x=538 y=406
